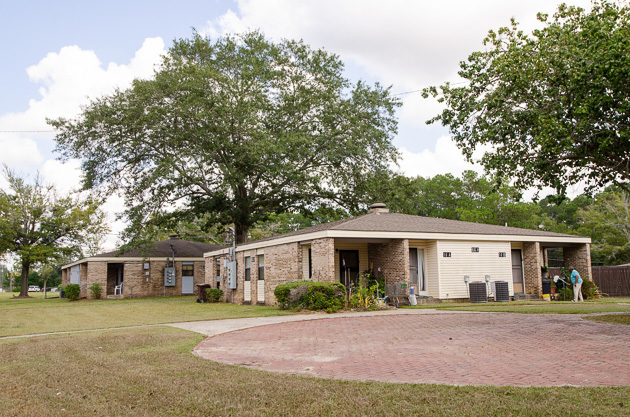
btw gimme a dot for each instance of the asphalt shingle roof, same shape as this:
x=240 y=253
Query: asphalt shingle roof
x=183 y=249
x=396 y=222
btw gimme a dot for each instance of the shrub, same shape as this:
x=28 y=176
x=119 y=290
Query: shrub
x=214 y=294
x=589 y=289
x=329 y=296
x=17 y=288
x=282 y=293
x=96 y=290
x=73 y=291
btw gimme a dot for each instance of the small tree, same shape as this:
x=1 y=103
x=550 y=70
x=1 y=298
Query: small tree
x=39 y=226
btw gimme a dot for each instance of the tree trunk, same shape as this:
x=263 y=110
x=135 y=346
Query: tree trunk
x=241 y=233
x=26 y=266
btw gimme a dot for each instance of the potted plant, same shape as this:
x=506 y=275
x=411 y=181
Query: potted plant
x=545 y=271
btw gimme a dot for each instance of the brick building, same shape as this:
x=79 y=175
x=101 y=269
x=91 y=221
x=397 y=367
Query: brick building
x=141 y=272
x=433 y=255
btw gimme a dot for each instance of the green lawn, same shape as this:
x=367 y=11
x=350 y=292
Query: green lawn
x=602 y=305
x=39 y=315
x=151 y=372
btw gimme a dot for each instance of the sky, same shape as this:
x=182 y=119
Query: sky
x=58 y=55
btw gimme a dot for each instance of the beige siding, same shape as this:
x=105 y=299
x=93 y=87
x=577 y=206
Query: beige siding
x=474 y=264
x=363 y=256
x=432 y=266
x=305 y=249
x=516 y=245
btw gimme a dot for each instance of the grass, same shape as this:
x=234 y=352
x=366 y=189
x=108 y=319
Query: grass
x=38 y=315
x=602 y=305
x=151 y=371
x=612 y=318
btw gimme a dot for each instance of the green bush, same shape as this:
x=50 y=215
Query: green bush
x=589 y=289
x=73 y=291
x=214 y=294
x=17 y=288
x=282 y=292
x=96 y=290
x=329 y=296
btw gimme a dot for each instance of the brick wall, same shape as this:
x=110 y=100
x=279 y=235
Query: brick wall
x=531 y=268
x=65 y=277
x=580 y=258
x=323 y=260
x=96 y=273
x=281 y=266
x=392 y=258
x=83 y=271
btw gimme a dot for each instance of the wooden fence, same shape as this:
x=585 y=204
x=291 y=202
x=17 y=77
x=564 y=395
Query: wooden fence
x=613 y=281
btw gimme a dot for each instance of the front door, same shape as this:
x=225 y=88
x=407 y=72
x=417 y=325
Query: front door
x=188 y=278
x=417 y=272
x=517 y=272
x=349 y=267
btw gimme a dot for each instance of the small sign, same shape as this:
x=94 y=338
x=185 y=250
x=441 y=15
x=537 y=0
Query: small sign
x=446 y=254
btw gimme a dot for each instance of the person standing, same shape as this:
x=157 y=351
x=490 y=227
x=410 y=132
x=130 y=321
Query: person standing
x=576 y=280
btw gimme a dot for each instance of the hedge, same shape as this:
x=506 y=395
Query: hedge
x=329 y=296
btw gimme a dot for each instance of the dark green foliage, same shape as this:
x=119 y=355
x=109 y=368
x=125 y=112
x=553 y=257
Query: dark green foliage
x=329 y=296
x=96 y=290
x=73 y=292
x=234 y=130
x=553 y=106
x=589 y=290
x=214 y=294
x=41 y=227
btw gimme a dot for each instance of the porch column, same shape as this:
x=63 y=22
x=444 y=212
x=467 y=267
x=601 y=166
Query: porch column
x=392 y=258
x=531 y=268
x=96 y=272
x=323 y=259
x=580 y=258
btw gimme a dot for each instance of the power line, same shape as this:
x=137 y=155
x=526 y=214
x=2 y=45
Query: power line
x=27 y=131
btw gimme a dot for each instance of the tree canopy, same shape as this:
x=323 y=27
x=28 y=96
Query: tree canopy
x=552 y=107
x=236 y=129
x=39 y=226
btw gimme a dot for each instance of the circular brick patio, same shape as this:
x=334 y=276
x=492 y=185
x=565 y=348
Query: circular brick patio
x=458 y=349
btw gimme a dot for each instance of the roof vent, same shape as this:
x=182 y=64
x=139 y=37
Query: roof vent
x=378 y=208
x=173 y=236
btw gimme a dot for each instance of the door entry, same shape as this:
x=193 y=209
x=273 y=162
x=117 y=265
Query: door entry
x=349 y=267
x=517 y=272
x=417 y=273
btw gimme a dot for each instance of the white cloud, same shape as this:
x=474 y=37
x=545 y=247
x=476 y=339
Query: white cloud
x=68 y=79
x=443 y=159
x=19 y=150
x=66 y=177
x=408 y=44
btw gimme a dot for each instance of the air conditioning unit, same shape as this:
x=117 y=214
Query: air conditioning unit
x=501 y=291
x=478 y=292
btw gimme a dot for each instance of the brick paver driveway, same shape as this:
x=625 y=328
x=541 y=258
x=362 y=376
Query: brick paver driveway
x=460 y=349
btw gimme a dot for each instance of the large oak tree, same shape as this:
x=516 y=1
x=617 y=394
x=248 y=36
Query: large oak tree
x=553 y=106
x=238 y=128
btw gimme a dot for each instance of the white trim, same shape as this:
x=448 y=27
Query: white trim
x=400 y=235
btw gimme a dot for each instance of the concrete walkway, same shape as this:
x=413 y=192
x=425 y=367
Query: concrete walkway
x=427 y=346
x=216 y=327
